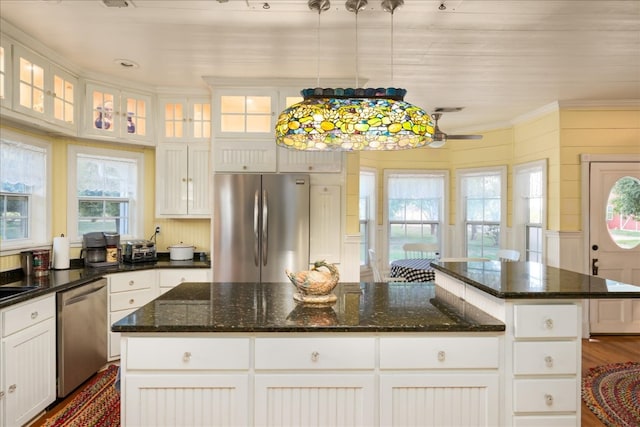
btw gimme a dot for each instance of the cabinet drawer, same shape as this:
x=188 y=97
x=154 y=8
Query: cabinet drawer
x=132 y=281
x=133 y=299
x=188 y=353
x=546 y=320
x=556 y=357
x=173 y=277
x=546 y=421
x=439 y=352
x=315 y=353
x=29 y=313
x=548 y=395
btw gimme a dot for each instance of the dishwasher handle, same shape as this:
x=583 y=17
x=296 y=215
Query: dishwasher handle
x=82 y=296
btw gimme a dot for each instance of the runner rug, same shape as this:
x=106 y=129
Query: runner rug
x=612 y=392
x=96 y=404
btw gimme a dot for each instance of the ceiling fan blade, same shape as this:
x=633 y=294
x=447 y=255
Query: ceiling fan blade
x=464 y=136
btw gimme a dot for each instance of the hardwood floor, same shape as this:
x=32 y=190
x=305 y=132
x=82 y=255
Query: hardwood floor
x=598 y=350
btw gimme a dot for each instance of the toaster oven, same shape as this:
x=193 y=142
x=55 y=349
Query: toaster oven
x=134 y=251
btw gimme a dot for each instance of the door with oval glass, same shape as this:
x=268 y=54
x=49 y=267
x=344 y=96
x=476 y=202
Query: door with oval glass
x=614 y=242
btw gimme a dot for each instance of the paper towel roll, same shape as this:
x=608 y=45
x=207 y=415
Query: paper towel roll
x=60 y=253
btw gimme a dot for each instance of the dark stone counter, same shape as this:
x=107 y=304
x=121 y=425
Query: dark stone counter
x=270 y=307
x=78 y=275
x=533 y=280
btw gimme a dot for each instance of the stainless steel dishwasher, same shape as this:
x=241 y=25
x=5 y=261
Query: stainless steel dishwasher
x=82 y=334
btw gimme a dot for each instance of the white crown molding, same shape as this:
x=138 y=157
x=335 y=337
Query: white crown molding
x=604 y=104
x=537 y=113
x=301 y=83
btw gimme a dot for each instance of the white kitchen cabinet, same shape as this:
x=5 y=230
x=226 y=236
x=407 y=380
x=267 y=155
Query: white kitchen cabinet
x=5 y=72
x=184 y=119
x=244 y=155
x=128 y=292
x=325 y=233
x=182 y=180
x=171 y=277
x=28 y=360
x=244 y=112
x=116 y=114
x=43 y=90
x=309 y=161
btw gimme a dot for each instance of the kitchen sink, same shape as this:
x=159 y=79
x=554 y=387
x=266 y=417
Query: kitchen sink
x=10 y=291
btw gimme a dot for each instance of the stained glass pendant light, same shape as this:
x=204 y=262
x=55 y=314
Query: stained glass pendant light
x=354 y=119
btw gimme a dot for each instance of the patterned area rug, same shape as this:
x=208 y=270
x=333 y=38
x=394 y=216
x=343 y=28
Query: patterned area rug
x=612 y=392
x=97 y=404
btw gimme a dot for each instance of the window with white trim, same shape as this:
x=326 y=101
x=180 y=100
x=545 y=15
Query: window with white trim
x=482 y=208
x=24 y=191
x=367 y=214
x=415 y=209
x=105 y=192
x=529 y=199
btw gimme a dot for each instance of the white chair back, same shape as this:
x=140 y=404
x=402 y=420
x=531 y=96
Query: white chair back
x=508 y=255
x=420 y=250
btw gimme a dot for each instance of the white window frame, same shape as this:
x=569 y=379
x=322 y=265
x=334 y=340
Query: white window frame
x=521 y=174
x=460 y=247
x=137 y=208
x=444 y=213
x=40 y=207
x=372 y=217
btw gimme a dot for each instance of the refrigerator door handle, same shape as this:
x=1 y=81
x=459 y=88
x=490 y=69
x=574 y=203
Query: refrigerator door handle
x=256 y=213
x=265 y=218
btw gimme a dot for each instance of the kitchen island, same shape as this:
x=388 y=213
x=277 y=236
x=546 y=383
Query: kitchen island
x=383 y=354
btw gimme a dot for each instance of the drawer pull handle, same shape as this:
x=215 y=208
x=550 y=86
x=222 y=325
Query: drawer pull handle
x=548 y=323
x=130 y=282
x=34 y=314
x=441 y=356
x=131 y=301
x=315 y=356
x=548 y=399
x=548 y=360
x=186 y=356
x=12 y=388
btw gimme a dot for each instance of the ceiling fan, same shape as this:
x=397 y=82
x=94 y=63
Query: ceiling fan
x=439 y=137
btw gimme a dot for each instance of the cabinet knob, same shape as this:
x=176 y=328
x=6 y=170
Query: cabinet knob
x=315 y=356
x=131 y=301
x=184 y=179
x=130 y=282
x=34 y=314
x=12 y=388
x=244 y=167
x=186 y=356
x=441 y=356
x=1 y=394
x=548 y=360
x=548 y=323
x=548 y=399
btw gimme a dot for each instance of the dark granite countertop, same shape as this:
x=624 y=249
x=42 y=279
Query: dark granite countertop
x=533 y=280
x=78 y=275
x=270 y=307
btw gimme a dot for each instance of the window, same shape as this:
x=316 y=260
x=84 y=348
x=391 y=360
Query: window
x=367 y=213
x=24 y=191
x=530 y=183
x=105 y=192
x=482 y=209
x=415 y=209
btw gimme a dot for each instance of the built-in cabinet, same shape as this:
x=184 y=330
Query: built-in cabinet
x=182 y=180
x=329 y=379
x=130 y=291
x=118 y=114
x=184 y=119
x=28 y=362
x=5 y=72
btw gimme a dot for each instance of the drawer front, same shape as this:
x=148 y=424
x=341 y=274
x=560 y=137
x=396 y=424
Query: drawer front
x=546 y=321
x=546 y=421
x=171 y=277
x=315 y=353
x=128 y=300
x=533 y=358
x=188 y=353
x=439 y=352
x=122 y=282
x=545 y=395
x=29 y=313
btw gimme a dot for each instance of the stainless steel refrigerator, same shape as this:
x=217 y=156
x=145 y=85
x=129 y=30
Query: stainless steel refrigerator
x=261 y=226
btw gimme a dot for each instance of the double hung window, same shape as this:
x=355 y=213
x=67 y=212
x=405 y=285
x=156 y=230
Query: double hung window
x=530 y=208
x=367 y=214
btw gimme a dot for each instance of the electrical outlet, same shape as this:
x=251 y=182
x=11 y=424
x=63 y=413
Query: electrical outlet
x=157 y=229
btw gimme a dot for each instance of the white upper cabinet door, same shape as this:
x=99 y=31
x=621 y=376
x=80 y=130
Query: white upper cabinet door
x=245 y=113
x=43 y=90
x=5 y=72
x=112 y=113
x=185 y=119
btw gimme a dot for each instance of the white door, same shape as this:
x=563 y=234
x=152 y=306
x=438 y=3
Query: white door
x=614 y=245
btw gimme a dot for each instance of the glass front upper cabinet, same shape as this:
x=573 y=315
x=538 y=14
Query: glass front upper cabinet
x=245 y=112
x=5 y=57
x=185 y=119
x=43 y=90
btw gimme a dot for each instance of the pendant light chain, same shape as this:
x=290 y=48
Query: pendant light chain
x=357 y=56
x=318 y=50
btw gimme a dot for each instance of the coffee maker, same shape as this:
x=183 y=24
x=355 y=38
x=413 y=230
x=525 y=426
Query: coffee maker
x=101 y=249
